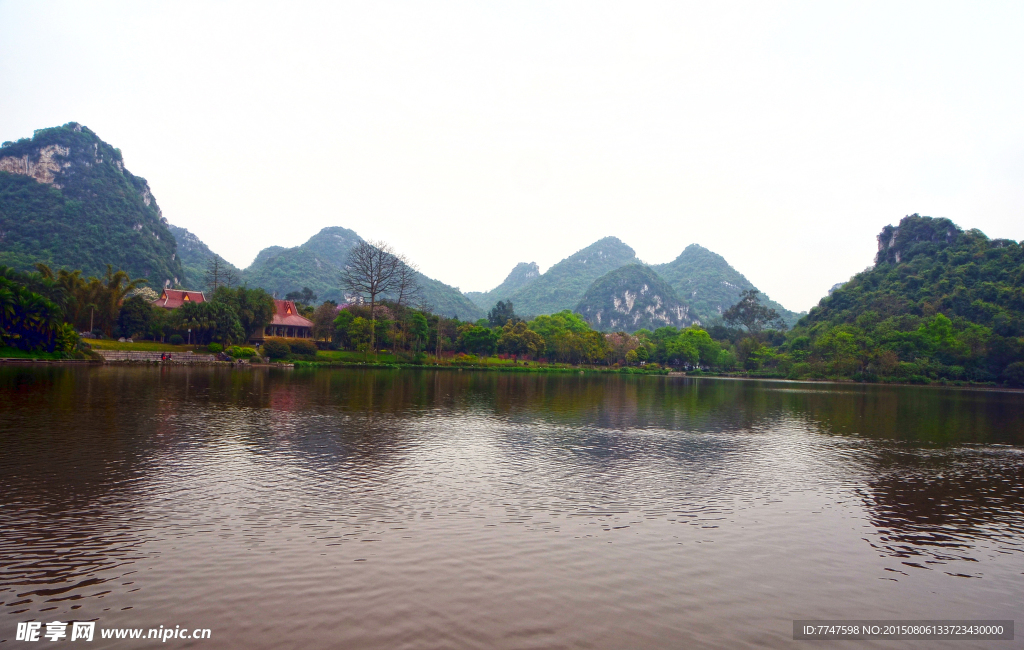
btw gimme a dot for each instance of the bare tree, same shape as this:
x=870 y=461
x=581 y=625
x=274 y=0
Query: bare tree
x=218 y=274
x=407 y=292
x=407 y=289
x=372 y=271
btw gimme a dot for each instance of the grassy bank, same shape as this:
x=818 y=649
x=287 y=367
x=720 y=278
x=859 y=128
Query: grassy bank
x=142 y=346
x=14 y=353
x=896 y=381
x=485 y=365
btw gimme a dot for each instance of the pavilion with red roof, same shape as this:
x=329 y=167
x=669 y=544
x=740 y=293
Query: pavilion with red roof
x=174 y=298
x=287 y=322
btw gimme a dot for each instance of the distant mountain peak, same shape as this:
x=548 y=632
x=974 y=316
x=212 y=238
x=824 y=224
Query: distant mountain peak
x=562 y=285
x=520 y=276
x=630 y=298
x=914 y=235
x=710 y=284
x=68 y=201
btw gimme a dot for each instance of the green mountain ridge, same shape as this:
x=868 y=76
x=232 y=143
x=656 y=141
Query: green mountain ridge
x=523 y=274
x=630 y=298
x=703 y=281
x=195 y=256
x=563 y=285
x=67 y=200
x=710 y=285
x=318 y=263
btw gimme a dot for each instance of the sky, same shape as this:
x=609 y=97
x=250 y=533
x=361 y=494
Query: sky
x=473 y=136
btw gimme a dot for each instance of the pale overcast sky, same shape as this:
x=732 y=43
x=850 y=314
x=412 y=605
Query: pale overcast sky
x=476 y=135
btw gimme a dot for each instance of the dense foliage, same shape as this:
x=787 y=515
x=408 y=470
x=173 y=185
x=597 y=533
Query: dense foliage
x=45 y=311
x=80 y=208
x=91 y=303
x=939 y=303
x=254 y=308
x=28 y=320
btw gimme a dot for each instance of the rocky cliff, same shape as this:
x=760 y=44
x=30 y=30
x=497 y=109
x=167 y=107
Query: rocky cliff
x=562 y=286
x=67 y=200
x=630 y=298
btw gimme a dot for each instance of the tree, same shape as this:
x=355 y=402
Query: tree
x=218 y=274
x=517 y=339
x=407 y=285
x=502 y=313
x=304 y=297
x=373 y=270
x=253 y=307
x=360 y=332
x=750 y=313
x=323 y=320
x=418 y=329
x=27 y=320
x=135 y=317
x=341 y=323
x=478 y=340
x=211 y=321
x=85 y=300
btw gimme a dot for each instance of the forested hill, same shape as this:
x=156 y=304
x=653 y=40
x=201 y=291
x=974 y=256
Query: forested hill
x=630 y=298
x=315 y=264
x=66 y=199
x=523 y=274
x=562 y=286
x=926 y=266
x=936 y=296
x=195 y=257
x=710 y=285
x=318 y=263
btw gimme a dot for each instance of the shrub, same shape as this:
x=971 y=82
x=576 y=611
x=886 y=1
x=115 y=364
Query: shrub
x=303 y=347
x=240 y=352
x=215 y=348
x=276 y=349
x=799 y=370
x=176 y=339
x=1014 y=373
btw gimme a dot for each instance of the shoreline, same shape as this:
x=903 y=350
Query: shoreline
x=629 y=371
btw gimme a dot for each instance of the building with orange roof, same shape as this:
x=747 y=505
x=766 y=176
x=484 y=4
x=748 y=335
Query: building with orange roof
x=174 y=298
x=287 y=322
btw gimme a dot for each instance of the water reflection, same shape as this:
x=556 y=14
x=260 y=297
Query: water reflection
x=667 y=504
x=938 y=511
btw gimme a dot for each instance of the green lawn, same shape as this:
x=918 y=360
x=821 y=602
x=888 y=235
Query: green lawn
x=350 y=356
x=142 y=346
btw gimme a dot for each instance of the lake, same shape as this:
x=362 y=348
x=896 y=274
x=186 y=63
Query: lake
x=418 y=509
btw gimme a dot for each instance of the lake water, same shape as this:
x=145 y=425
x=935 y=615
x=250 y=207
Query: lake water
x=388 y=509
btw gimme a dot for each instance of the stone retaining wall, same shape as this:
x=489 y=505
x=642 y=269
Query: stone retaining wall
x=133 y=355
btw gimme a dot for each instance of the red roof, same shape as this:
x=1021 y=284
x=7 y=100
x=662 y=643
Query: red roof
x=174 y=298
x=286 y=314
